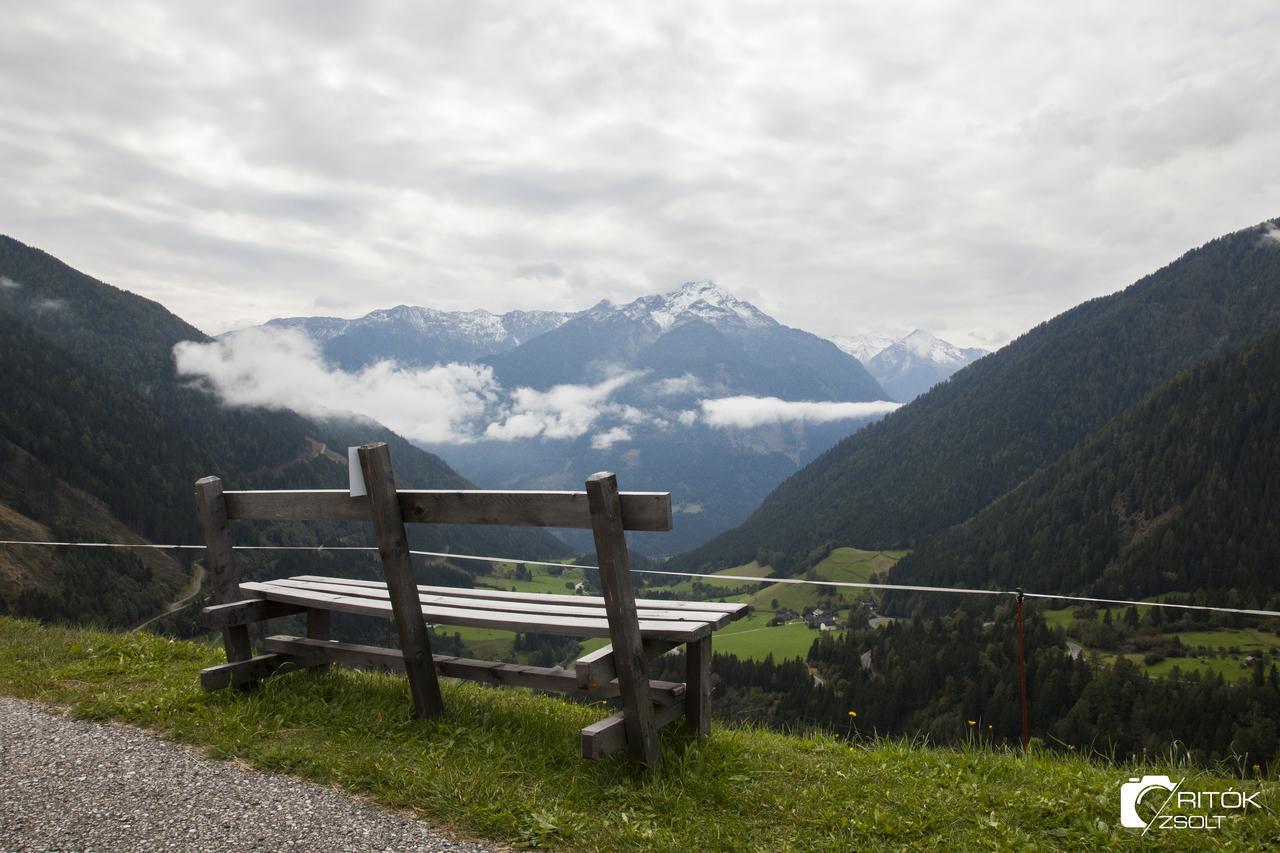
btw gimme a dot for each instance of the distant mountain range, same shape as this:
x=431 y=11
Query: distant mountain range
x=100 y=440
x=705 y=395
x=997 y=434
x=417 y=337
x=906 y=367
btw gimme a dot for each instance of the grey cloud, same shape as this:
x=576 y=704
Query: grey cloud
x=542 y=270
x=961 y=169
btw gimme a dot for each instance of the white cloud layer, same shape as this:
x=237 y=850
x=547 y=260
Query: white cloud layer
x=563 y=411
x=459 y=403
x=282 y=369
x=967 y=168
x=747 y=412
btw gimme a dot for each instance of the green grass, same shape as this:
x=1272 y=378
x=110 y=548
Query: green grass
x=1246 y=639
x=503 y=577
x=490 y=643
x=752 y=569
x=851 y=565
x=750 y=638
x=1228 y=668
x=502 y=764
x=1058 y=618
x=496 y=644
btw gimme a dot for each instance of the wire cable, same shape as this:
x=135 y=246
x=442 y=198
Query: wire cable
x=883 y=587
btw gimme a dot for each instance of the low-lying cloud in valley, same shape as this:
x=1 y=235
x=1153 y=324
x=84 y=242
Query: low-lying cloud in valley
x=746 y=412
x=283 y=369
x=462 y=403
x=562 y=411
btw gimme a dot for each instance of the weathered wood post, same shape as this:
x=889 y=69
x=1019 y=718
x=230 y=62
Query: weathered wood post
x=397 y=567
x=212 y=507
x=624 y=628
x=697 y=698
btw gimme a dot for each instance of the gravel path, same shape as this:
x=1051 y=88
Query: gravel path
x=73 y=785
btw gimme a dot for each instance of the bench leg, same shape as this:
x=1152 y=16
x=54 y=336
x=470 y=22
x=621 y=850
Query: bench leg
x=397 y=567
x=212 y=508
x=318 y=624
x=624 y=627
x=697 y=698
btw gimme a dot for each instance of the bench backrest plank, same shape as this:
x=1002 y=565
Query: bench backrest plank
x=640 y=510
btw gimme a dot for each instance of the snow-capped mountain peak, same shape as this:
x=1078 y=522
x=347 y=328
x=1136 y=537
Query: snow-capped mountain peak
x=913 y=364
x=925 y=345
x=695 y=300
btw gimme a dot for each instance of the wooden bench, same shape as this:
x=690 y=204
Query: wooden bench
x=638 y=630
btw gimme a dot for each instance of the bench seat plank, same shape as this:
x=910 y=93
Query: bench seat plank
x=716 y=620
x=735 y=610
x=568 y=626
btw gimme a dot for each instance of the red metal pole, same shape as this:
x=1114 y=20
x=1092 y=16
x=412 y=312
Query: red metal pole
x=1022 y=666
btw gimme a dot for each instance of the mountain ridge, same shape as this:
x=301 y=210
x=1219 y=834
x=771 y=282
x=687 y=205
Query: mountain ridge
x=91 y=393
x=957 y=448
x=1172 y=495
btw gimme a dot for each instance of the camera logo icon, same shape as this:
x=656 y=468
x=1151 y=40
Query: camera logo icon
x=1132 y=792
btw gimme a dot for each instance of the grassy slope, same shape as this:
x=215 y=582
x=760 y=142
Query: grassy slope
x=750 y=638
x=503 y=764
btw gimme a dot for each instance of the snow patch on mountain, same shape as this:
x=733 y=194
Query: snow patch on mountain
x=470 y=334
x=866 y=346
x=921 y=344
x=913 y=364
x=703 y=300
x=692 y=301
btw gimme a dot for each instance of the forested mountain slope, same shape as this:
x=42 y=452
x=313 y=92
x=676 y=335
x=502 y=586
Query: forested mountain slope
x=1180 y=493
x=119 y=587
x=954 y=450
x=90 y=392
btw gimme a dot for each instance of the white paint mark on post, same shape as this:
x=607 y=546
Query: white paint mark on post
x=355 y=476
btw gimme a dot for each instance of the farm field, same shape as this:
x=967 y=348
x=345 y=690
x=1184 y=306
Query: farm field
x=753 y=569
x=749 y=638
x=1216 y=641
x=850 y=565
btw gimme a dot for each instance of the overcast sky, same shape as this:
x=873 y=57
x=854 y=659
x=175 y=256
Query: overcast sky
x=970 y=168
